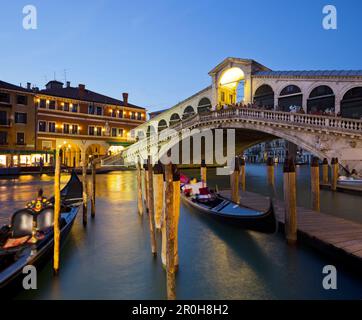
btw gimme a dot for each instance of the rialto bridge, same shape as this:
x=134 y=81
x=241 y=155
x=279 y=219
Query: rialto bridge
x=327 y=124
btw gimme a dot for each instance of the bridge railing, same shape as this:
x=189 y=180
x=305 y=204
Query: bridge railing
x=307 y=120
x=318 y=122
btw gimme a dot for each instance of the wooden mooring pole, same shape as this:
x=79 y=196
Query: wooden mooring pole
x=56 y=212
x=151 y=207
x=270 y=171
x=158 y=192
x=234 y=182
x=290 y=200
x=325 y=179
x=85 y=196
x=176 y=209
x=334 y=176
x=242 y=174
x=170 y=233
x=145 y=167
x=163 y=224
x=139 y=189
x=203 y=171
x=315 y=188
x=93 y=200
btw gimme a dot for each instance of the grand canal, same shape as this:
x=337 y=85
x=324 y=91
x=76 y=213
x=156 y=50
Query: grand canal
x=111 y=258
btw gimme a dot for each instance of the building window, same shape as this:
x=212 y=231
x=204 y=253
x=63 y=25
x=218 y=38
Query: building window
x=66 y=106
x=120 y=132
x=4 y=97
x=20 y=138
x=75 y=129
x=66 y=128
x=114 y=132
x=114 y=113
x=99 y=131
x=51 y=126
x=139 y=116
x=51 y=104
x=120 y=114
x=91 y=109
x=42 y=103
x=42 y=126
x=222 y=96
x=3 y=118
x=3 y=137
x=99 y=111
x=75 y=108
x=22 y=100
x=21 y=117
x=91 y=130
x=133 y=115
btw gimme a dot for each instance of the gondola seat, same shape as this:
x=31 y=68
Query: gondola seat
x=22 y=223
x=45 y=219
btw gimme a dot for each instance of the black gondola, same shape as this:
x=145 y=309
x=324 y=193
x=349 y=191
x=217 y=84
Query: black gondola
x=14 y=259
x=223 y=209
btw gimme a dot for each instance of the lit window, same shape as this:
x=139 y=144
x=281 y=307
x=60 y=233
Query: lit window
x=20 y=138
x=75 y=129
x=51 y=126
x=91 y=130
x=42 y=126
x=66 y=128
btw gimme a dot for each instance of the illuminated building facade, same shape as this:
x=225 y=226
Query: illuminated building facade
x=83 y=123
x=17 y=126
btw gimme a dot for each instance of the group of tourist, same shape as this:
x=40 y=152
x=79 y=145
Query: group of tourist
x=294 y=109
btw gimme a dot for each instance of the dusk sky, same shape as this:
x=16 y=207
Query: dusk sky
x=161 y=51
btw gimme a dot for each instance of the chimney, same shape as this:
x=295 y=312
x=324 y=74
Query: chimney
x=125 y=98
x=81 y=88
x=68 y=84
x=28 y=85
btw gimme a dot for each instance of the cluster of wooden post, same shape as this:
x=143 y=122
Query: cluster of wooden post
x=162 y=203
x=57 y=203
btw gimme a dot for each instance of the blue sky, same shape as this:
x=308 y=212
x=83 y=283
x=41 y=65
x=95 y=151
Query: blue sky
x=161 y=51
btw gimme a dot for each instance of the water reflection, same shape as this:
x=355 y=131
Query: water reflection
x=111 y=258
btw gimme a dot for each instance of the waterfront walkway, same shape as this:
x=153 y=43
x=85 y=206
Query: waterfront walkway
x=335 y=236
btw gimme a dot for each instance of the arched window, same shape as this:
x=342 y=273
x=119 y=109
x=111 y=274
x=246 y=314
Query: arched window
x=351 y=105
x=188 y=112
x=174 y=119
x=162 y=124
x=321 y=100
x=204 y=105
x=264 y=96
x=290 y=98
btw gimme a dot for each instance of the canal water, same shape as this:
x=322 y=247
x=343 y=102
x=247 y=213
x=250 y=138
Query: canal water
x=111 y=258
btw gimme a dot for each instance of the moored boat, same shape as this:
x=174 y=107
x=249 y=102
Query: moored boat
x=343 y=180
x=16 y=248
x=213 y=204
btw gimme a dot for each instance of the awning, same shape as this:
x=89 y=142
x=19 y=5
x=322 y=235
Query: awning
x=119 y=143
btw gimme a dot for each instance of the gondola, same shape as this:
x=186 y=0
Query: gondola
x=15 y=257
x=221 y=208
